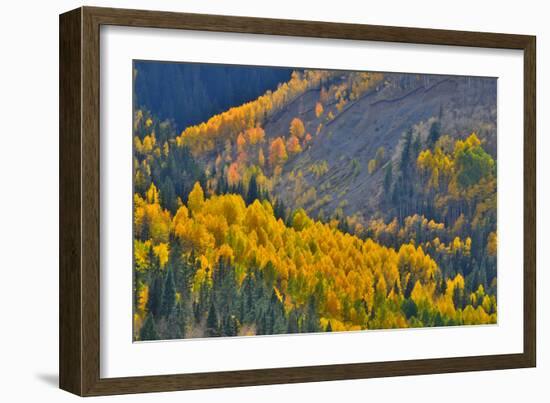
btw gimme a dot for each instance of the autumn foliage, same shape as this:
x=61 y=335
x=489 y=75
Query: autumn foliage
x=358 y=284
x=217 y=252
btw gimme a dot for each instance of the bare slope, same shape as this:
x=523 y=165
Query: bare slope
x=379 y=118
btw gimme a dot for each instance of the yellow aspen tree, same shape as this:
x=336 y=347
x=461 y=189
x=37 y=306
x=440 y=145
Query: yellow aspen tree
x=196 y=199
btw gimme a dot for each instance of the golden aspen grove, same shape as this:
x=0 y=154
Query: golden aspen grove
x=323 y=201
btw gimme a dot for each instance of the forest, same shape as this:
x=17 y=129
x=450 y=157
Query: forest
x=316 y=207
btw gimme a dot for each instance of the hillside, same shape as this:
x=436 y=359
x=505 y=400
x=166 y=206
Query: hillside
x=336 y=201
x=348 y=134
x=378 y=119
x=172 y=89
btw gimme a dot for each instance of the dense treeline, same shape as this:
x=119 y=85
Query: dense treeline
x=222 y=267
x=172 y=89
x=443 y=197
x=217 y=253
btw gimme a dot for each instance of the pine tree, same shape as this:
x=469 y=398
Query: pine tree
x=144 y=235
x=168 y=196
x=293 y=326
x=155 y=295
x=177 y=322
x=409 y=288
x=168 y=294
x=279 y=210
x=312 y=317
x=149 y=331
x=253 y=192
x=406 y=152
x=260 y=323
x=231 y=326
x=329 y=327
x=416 y=147
x=435 y=133
x=438 y=320
x=442 y=287
x=248 y=298
x=409 y=308
x=458 y=297
x=212 y=327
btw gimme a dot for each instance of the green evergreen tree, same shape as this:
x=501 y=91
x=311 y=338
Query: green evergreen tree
x=149 y=330
x=231 y=326
x=409 y=308
x=247 y=291
x=293 y=326
x=458 y=298
x=168 y=197
x=435 y=133
x=176 y=323
x=438 y=320
x=312 y=317
x=168 y=294
x=409 y=288
x=406 y=152
x=155 y=295
x=212 y=326
x=278 y=319
x=144 y=236
x=279 y=210
x=253 y=192
x=442 y=287
x=415 y=150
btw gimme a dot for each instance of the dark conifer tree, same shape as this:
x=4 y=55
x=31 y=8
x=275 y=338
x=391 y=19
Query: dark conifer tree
x=231 y=326
x=212 y=326
x=293 y=326
x=409 y=308
x=253 y=192
x=406 y=152
x=168 y=196
x=312 y=317
x=279 y=210
x=438 y=320
x=442 y=287
x=168 y=294
x=176 y=323
x=458 y=297
x=409 y=288
x=149 y=330
x=435 y=133
x=248 y=300
x=155 y=295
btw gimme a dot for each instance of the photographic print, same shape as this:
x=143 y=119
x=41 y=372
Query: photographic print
x=277 y=200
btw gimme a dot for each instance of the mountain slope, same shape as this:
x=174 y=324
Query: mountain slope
x=378 y=119
x=265 y=218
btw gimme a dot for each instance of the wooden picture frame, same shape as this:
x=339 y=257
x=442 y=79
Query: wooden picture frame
x=79 y=347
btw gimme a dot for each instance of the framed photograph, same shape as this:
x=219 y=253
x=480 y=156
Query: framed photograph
x=249 y=201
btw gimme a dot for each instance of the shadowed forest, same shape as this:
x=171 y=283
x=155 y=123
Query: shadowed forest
x=277 y=201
